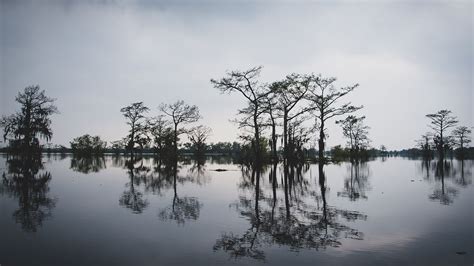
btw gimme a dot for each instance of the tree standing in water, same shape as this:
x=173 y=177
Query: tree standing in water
x=324 y=97
x=180 y=113
x=462 y=138
x=32 y=122
x=246 y=83
x=135 y=115
x=440 y=122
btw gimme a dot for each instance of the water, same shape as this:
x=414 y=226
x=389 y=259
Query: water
x=105 y=211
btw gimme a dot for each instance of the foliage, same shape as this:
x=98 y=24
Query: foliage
x=24 y=128
x=87 y=145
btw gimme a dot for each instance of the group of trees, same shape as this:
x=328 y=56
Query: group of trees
x=440 y=139
x=162 y=134
x=289 y=103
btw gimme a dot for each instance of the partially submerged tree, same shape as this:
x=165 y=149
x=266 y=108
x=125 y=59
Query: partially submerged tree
x=180 y=114
x=88 y=145
x=462 y=137
x=198 y=137
x=246 y=84
x=440 y=122
x=24 y=128
x=424 y=145
x=324 y=98
x=134 y=113
x=289 y=93
x=356 y=131
x=162 y=134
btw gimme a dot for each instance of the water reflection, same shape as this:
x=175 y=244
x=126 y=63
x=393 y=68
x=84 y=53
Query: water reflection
x=357 y=182
x=87 y=164
x=132 y=198
x=447 y=178
x=26 y=181
x=183 y=208
x=294 y=222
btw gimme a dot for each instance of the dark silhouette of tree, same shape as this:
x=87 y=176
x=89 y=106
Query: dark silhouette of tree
x=324 y=98
x=440 y=122
x=180 y=114
x=134 y=113
x=289 y=93
x=198 y=137
x=24 y=128
x=462 y=138
x=246 y=84
x=424 y=144
x=87 y=145
x=162 y=134
x=25 y=180
x=270 y=107
x=354 y=129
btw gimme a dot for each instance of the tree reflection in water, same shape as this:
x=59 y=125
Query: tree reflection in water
x=87 y=164
x=26 y=180
x=132 y=198
x=185 y=208
x=357 y=183
x=447 y=178
x=150 y=175
x=293 y=223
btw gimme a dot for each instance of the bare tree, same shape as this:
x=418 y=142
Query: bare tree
x=461 y=136
x=198 y=137
x=246 y=83
x=160 y=130
x=290 y=92
x=31 y=122
x=134 y=113
x=354 y=129
x=324 y=97
x=440 y=122
x=180 y=113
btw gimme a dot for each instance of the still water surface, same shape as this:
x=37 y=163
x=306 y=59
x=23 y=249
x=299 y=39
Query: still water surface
x=109 y=211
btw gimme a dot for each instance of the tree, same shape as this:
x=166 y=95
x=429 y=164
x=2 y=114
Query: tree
x=424 y=144
x=461 y=136
x=88 y=145
x=198 y=137
x=180 y=113
x=162 y=133
x=354 y=129
x=32 y=121
x=289 y=93
x=135 y=115
x=324 y=97
x=246 y=83
x=440 y=122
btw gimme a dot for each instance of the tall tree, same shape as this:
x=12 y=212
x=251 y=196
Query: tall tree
x=246 y=84
x=324 y=98
x=461 y=136
x=356 y=131
x=134 y=113
x=161 y=132
x=180 y=113
x=290 y=92
x=32 y=121
x=440 y=122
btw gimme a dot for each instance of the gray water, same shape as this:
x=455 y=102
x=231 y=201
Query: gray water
x=105 y=211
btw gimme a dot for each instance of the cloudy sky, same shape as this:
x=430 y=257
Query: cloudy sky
x=410 y=58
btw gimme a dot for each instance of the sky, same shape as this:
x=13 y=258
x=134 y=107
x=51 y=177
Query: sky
x=94 y=57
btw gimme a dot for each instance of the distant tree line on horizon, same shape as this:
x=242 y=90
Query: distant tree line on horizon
x=294 y=111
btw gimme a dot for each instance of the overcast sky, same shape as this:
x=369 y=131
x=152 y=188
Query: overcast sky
x=95 y=57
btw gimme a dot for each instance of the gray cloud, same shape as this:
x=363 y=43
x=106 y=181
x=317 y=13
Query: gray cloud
x=97 y=56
